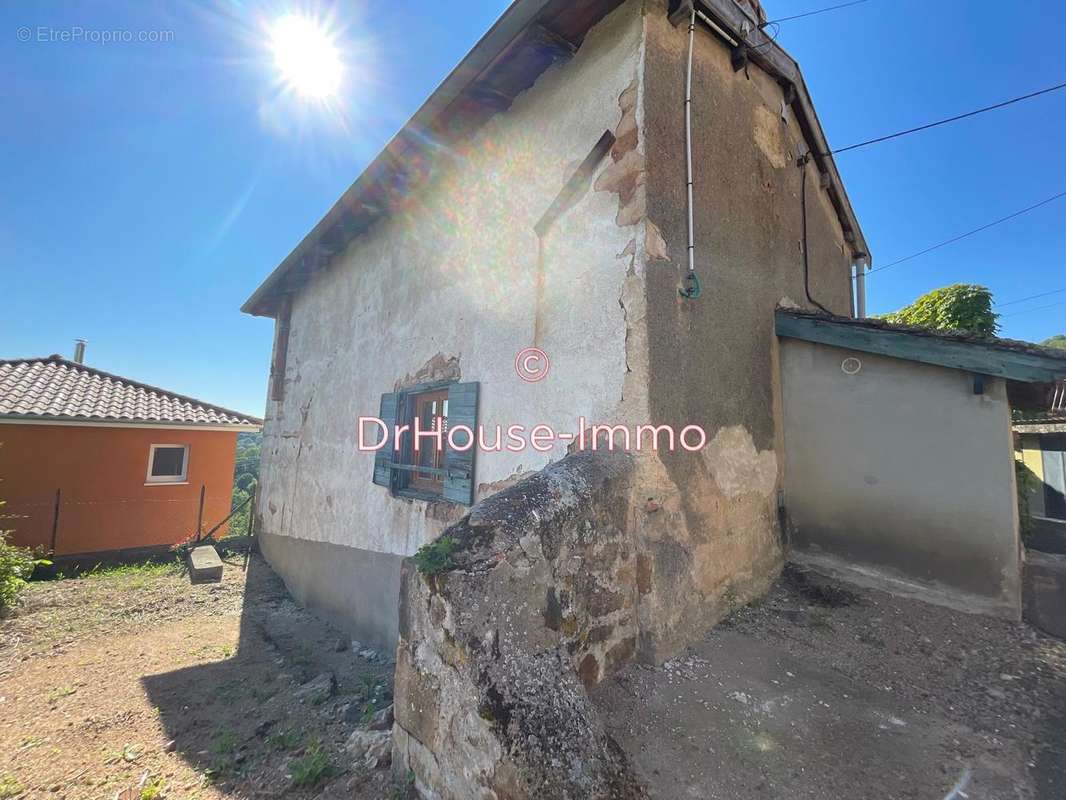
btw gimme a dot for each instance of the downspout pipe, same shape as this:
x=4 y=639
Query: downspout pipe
x=692 y=288
x=860 y=287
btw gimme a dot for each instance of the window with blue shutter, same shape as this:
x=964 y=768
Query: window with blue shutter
x=430 y=473
x=389 y=412
x=459 y=463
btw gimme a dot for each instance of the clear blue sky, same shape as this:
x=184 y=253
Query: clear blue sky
x=149 y=187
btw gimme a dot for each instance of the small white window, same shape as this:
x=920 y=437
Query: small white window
x=168 y=463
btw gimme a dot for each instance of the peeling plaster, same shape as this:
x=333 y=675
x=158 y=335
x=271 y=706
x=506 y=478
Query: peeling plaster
x=438 y=368
x=737 y=466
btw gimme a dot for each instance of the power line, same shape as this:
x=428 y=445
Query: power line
x=1038 y=308
x=812 y=13
x=1031 y=297
x=968 y=233
x=926 y=127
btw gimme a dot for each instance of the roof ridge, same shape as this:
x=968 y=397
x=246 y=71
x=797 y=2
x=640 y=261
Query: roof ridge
x=58 y=359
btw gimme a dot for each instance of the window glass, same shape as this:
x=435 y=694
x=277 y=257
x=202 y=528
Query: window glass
x=431 y=410
x=167 y=463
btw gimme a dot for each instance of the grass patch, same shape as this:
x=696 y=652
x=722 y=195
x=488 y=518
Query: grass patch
x=153 y=790
x=224 y=743
x=285 y=740
x=136 y=575
x=313 y=767
x=10 y=787
x=436 y=557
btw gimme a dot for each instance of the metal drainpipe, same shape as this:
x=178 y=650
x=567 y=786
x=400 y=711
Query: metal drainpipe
x=860 y=288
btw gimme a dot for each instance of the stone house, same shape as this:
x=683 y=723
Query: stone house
x=537 y=209
x=538 y=199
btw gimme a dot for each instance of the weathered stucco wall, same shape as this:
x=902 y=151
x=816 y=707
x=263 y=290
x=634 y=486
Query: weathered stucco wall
x=450 y=282
x=933 y=511
x=712 y=362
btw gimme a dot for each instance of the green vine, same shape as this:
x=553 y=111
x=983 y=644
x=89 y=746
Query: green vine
x=960 y=307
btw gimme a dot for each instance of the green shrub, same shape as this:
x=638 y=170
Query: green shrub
x=960 y=307
x=436 y=557
x=16 y=567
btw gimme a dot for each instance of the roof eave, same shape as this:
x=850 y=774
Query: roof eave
x=42 y=419
x=513 y=21
x=775 y=60
x=352 y=214
x=927 y=347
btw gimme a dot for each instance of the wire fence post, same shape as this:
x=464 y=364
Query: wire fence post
x=55 y=521
x=200 y=513
x=251 y=525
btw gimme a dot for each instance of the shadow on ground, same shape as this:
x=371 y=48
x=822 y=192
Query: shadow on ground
x=271 y=715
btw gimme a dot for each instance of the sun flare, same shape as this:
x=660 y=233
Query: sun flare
x=307 y=57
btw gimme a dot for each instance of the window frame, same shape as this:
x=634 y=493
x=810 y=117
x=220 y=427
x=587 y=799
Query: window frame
x=405 y=482
x=167 y=480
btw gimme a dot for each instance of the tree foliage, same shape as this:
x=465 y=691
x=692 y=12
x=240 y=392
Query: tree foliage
x=245 y=479
x=960 y=307
x=1058 y=342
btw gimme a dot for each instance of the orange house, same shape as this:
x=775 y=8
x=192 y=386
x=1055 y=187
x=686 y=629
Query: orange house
x=92 y=462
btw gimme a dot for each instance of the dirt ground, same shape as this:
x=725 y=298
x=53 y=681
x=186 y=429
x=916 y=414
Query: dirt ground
x=138 y=679
x=825 y=691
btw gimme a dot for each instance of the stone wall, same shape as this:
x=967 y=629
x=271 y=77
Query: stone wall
x=496 y=652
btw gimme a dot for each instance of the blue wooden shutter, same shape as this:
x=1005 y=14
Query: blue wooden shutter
x=459 y=467
x=390 y=409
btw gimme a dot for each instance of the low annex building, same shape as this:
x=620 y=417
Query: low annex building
x=95 y=463
x=899 y=457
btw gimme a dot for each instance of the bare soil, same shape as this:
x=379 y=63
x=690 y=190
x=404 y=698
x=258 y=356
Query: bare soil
x=140 y=679
x=824 y=690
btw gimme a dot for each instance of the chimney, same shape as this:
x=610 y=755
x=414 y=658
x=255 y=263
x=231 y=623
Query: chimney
x=79 y=351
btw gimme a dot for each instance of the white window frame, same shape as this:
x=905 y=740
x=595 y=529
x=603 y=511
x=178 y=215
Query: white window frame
x=168 y=480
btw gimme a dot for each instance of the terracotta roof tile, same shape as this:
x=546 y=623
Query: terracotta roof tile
x=55 y=388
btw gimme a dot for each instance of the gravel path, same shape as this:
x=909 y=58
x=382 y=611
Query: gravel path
x=824 y=691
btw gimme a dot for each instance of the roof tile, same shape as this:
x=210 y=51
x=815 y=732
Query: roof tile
x=55 y=388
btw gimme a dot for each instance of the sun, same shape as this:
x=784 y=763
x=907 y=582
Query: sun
x=306 y=56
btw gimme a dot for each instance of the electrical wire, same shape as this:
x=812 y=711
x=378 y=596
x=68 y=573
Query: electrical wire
x=956 y=118
x=802 y=163
x=1031 y=297
x=1038 y=308
x=967 y=234
x=812 y=13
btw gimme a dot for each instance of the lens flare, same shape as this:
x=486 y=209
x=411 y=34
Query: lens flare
x=307 y=56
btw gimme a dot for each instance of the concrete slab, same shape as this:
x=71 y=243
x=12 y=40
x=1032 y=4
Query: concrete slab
x=204 y=565
x=827 y=690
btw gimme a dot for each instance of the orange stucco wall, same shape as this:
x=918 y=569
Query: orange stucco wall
x=105 y=504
